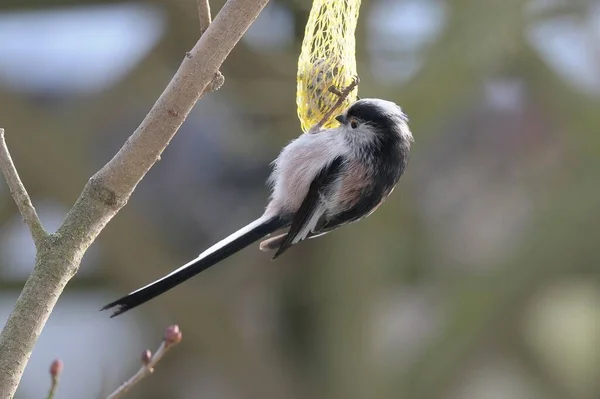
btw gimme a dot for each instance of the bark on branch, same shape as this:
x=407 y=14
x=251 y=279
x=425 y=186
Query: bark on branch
x=110 y=188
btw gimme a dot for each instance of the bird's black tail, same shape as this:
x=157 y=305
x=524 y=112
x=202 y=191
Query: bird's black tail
x=213 y=255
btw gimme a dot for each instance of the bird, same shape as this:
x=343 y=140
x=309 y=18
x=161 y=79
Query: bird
x=320 y=181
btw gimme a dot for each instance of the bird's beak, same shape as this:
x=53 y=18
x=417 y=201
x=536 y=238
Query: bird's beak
x=341 y=119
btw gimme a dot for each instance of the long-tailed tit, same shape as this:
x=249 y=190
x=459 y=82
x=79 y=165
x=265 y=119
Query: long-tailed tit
x=319 y=182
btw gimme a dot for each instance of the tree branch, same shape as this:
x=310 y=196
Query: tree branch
x=19 y=194
x=109 y=189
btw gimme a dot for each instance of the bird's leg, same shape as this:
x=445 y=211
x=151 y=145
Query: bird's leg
x=342 y=95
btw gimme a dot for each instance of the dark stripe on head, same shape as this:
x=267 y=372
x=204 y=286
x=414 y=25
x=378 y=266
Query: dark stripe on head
x=378 y=113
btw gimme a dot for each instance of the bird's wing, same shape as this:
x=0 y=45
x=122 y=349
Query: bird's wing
x=312 y=207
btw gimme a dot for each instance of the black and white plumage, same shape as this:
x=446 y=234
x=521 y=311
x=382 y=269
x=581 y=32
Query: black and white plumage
x=320 y=181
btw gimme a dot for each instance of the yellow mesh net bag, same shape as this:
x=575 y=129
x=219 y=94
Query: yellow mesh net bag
x=327 y=59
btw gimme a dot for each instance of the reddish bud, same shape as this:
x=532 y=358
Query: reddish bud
x=56 y=368
x=173 y=335
x=146 y=357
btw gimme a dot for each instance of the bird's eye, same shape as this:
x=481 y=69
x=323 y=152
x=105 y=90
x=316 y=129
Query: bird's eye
x=354 y=124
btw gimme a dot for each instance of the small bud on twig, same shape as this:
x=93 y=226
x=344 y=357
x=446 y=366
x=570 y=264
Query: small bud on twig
x=173 y=335
x=56 y=368
x=171 y=338
x=146 y=357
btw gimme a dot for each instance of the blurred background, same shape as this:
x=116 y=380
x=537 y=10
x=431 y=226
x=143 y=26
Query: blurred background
x=478 y=278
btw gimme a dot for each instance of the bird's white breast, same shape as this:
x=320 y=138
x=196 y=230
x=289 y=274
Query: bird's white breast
x=299 y=163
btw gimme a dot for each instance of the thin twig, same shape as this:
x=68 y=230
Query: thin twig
x=205 y=20
x=19 y=194
x=53 y=388
x=144 y=371
x=172 y=337
x=342 y=95
x=204 y=15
